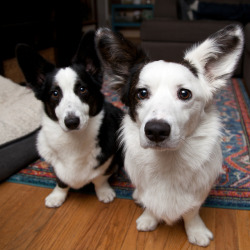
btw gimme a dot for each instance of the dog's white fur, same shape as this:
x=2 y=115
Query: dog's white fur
x=73 y=153
x=173 y=183
x=70 y=104
x=173 y=177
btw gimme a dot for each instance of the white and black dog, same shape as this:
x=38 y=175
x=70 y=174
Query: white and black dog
x=172 y=131
x=78 y=133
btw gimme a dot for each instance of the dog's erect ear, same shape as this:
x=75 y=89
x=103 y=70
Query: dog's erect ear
x=217 y=57
x=87 y=55
x=119 y=57
x=33 y=66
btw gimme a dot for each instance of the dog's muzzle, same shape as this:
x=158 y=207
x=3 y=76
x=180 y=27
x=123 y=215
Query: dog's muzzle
x=157 y=130
x=72 y=122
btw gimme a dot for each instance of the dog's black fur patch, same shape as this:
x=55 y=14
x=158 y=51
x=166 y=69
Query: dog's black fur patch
x=190 y=66
x=123 y=61
x=93 y=97
x=106 y=137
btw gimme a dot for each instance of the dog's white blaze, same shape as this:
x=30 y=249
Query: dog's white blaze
x=74 y=162
x=70 y=103
x=163 y=80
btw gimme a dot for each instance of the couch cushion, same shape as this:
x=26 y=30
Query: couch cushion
x=20 y=111
x=171 y=52
x=162 y=30
x=19 y=123
x=17 y=154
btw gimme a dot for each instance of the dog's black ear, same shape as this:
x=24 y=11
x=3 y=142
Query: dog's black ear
x=120 y=58
x=216 y=58
x=86 y=54
x=34 y=67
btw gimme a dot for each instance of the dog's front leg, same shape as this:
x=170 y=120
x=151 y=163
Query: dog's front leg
x=103 y=190
x=196 y=230
x=136 y=197
x=57 y=196
x=147 y=221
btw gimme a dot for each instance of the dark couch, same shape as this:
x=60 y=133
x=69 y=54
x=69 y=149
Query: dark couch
x=246 y=59
x=172 y=31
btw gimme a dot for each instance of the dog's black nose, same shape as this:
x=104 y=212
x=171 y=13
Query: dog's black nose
x=72 y=122
x=157 y=130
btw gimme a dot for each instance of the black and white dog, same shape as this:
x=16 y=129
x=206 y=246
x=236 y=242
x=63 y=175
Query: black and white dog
x=78 y=134
x=172 y=131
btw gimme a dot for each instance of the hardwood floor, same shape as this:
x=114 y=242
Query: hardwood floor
x=83 y=222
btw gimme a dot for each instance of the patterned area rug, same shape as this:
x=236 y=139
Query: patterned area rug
x=232 y=190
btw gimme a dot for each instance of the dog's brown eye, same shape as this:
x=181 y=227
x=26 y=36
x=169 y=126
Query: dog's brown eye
x=83 y=90
x=55 y=94
x=184 y=94
x=142 y=94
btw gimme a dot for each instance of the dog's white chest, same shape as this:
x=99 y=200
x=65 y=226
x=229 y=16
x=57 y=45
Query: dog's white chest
x=78 y=168
x=171 y=183
x=158 y=188
x=165 y=190
x=72 y=155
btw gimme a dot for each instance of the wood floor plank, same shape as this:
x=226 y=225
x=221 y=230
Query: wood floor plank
x=83 y=222
x=226 y=236
x=118 y=225
x=243 y=228
x=21 y=217
x=73 y=223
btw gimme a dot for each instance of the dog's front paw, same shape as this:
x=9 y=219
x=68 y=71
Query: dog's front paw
x=200 y=236
x=196 y=230
x=54 y=200
x=146 y=222
x=105 y=194
x=56 y=197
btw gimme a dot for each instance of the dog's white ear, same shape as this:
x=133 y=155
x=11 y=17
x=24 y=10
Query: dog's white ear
x=120 y=58
x=217 y=57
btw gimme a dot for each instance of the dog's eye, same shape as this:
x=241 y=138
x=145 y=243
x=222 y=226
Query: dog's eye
x=55 y=94
x=83 y=90
x=142 y=94
x=184 y=94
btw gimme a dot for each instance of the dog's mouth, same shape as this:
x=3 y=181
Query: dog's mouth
x=167 y=146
